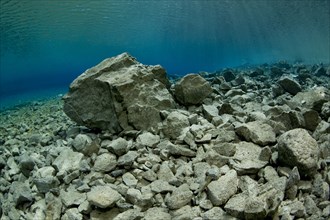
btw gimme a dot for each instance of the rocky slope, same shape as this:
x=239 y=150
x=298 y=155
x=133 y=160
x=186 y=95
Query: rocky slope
x=248 y=143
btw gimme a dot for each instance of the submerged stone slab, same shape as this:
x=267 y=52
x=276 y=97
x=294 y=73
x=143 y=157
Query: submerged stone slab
x=119 y=93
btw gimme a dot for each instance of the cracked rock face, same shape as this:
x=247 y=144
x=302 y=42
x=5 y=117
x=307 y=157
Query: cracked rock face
x=117 y=94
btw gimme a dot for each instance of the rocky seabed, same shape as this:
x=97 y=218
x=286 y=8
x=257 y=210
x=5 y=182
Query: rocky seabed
x=245 y=143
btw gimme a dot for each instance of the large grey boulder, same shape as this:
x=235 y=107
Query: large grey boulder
x=119 y=93
x=192 y=89
x=297 y=148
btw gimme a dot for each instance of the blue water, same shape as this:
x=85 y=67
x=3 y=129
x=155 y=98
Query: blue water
x=45 y=44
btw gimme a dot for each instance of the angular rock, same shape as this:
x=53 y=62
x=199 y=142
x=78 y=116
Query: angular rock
x=21 y=193
x=180 y=150
x=236 y=205
x=84 y=144
x=192 y=89
x=210 y=111
x=68 y=161
x=257 y=132
x=148 y=139
x=179 y=197
x=157 y=213
x=246 y=158
x=103 y=196
x=290 y=85
x=118 y=146
x=26 y=165
x=254 y=209
x=311 y=119
x=129 y=214
x=105 y=162
x=128 y=158
x=186 y=212
x=72 y=197
x=129 y=179
x=72 y=213
x=174 y=124
x=221 y=190
x=119 y=92
x=312 y=99
x=228 y=75
x=45 y=179
x=297 y=148
x=161 y=186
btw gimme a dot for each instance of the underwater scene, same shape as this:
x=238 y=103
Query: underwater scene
x=145 y=109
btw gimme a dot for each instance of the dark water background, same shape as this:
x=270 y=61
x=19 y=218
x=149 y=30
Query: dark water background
x=45 y=44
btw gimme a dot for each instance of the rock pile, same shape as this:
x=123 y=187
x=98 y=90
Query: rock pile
x=234 y=147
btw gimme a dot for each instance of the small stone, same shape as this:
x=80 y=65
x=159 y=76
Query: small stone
x=310 y=206
x=180 y=150
x=186 y=212
x=236 y=205
x=45 y=179
x=148 y=139
x=118 y=146
x=254 y=209
x=105 y=162
x=21 y=193
x=149 y=175
x=157 y=213
x=129 y=180
x=72 y=214
x=206 y=204
x=210 y=111
x=293 y=178
x=103 y=196
x=81 y=141
x=265 y=154
x=297 y=148
x=305 y=186
x=26 y=165
x=205 y=139
x=179 y=197
x=320 y=188
x=128 y=158
x=257 y=132
x=290 y=85
x=174 y=124
x=311 y=119
x=221 y=190
x=225 y=149
x=72 y=197
x=192 y=89
x=133 y=196
x=68 y=161
x=270 y=174
x=228 y=75
x=101 y=215
x=128 y=215
x=297 y=209
x=214 y=213
x=161 y=186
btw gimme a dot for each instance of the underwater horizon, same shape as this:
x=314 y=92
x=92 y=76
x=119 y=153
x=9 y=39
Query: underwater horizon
x=44 y=45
